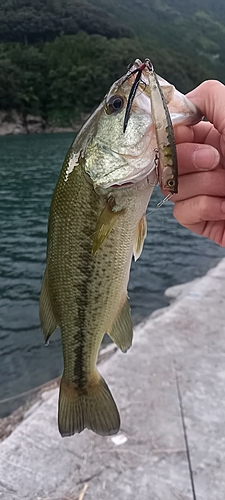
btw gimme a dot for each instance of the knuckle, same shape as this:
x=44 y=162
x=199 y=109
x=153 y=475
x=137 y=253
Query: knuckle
x=212 y=86
x=209 y=181
x=216 y=233
x=178 y=212
x=203 y=207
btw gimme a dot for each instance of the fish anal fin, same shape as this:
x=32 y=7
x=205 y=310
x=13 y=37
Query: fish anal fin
x=140 y=236
x=122 y=330
x=105 y=224
x=47 y=318
x=91 y=407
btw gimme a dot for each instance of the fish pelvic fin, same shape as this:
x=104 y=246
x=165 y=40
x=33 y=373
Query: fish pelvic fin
x=47 y=318
x=122 y=330
x=105 y=224
x=140 y=236
x=91 y=407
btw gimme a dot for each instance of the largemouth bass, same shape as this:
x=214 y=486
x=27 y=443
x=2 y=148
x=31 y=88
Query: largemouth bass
x=96 y=224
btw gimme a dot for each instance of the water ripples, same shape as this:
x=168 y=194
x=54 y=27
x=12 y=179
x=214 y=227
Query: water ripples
x=29 y=168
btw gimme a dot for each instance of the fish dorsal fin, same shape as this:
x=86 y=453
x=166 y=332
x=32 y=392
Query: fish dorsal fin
x=106 y=222
x=140 y=237
x=122 y=330
x=47 y=318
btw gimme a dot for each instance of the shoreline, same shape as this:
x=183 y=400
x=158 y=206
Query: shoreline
x=14 y=123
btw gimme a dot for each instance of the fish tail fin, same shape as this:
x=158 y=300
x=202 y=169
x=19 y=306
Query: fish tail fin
x=91 y=407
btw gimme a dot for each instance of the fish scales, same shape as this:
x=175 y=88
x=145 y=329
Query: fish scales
x=96 y=284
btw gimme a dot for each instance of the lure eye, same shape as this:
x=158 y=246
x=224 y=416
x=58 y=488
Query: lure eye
x=114 y=104
x=171 y=183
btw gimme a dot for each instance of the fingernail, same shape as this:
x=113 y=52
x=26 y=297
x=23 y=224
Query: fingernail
x=223 y=206
x=205 y=157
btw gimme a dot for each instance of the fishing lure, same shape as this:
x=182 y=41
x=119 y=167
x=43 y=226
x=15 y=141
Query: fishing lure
x=132 y=94
x=167 y=157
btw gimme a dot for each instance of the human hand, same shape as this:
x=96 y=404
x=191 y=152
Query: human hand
x=200 y=202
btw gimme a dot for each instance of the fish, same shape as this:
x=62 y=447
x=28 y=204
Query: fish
x=97 y=223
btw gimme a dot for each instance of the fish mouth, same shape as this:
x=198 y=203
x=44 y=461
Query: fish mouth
x=182 y=110
x=125 y=184
x=132 y=179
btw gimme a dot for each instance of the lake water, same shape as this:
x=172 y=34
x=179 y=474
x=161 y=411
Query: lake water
x=29 y=167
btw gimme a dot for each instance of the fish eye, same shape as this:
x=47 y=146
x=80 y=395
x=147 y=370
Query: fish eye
x=114 y=104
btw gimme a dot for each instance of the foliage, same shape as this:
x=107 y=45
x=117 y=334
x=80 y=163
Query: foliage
x=32 y=21
x=60 y=79
x=49 y=67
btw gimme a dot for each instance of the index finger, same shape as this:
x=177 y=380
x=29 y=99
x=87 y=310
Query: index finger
x=209 y=97
x=197 y=133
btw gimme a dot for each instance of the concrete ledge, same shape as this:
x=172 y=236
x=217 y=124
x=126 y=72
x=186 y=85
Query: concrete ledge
x=184 y=343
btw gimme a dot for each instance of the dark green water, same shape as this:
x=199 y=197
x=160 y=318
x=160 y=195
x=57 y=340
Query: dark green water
x=29 y=167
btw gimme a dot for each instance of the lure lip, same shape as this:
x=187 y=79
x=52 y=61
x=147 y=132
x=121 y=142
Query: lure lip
x=146 y=64
x=131 y=97
x=133 y=89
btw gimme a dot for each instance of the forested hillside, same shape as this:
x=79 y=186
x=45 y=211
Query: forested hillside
x=32 y=21
x=58 y=57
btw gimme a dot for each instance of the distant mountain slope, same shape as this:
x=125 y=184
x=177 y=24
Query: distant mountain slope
x=32 y=21
x=214 y=7
x=58 y=57
x=194 y=28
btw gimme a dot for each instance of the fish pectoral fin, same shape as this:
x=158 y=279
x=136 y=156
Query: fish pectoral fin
x=106 y=222
x=47 y=318
x=122 y=330
x=140 y=236
x=91 y=407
